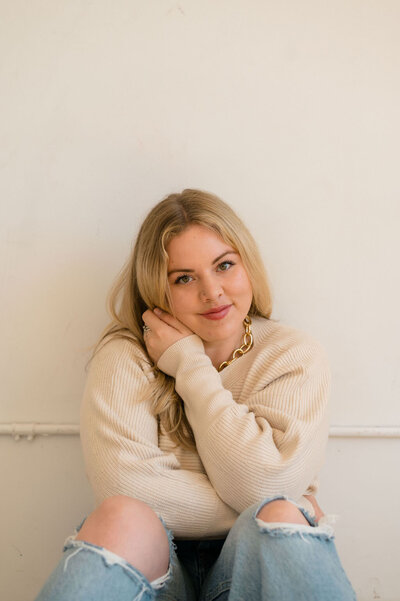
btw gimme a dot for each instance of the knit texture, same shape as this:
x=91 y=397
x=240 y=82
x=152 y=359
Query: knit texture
x=261 y=427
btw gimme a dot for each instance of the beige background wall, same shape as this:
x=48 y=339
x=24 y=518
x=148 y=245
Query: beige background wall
x=289 y=111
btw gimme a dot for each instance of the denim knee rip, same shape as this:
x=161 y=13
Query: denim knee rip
x=110 y=559
x=323 y=529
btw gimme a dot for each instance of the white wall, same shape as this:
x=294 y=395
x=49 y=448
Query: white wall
x=289 y=111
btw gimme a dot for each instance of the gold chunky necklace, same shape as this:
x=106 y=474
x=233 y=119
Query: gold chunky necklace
x=246 y=346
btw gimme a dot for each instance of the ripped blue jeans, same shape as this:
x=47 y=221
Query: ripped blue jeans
x=257 y=561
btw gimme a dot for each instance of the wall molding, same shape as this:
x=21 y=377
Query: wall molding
x=364 y=432
x=31 y=430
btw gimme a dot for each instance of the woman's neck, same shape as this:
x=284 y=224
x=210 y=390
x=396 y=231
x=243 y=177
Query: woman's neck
x=221 y=351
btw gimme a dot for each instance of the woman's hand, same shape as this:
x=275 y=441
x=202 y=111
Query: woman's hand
x=318 y=511
x=163 y=330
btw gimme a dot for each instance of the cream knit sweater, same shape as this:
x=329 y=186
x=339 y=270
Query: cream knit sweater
x=260 y=426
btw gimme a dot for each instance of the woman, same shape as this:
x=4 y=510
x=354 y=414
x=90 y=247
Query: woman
x=204 y=425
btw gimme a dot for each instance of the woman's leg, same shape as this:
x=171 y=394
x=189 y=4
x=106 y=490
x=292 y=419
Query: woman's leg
x=121 y=552
x=275 y=551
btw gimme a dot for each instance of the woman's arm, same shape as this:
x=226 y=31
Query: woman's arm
x=120 y=444
x=271 y=441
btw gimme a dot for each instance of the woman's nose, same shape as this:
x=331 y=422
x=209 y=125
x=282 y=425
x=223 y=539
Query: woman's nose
x=210 y=289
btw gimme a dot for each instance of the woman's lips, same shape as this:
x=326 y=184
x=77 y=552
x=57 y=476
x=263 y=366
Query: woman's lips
x=218 y=313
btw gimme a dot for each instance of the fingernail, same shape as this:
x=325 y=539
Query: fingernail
x=157 y=311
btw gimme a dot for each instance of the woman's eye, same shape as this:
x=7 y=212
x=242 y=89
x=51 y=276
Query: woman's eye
x=183 y=279
x=225 y=265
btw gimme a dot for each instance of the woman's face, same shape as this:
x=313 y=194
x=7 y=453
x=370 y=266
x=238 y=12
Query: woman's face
x=210 y=289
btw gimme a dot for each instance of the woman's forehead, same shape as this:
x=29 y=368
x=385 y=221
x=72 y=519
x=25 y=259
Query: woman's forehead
x=197 y=242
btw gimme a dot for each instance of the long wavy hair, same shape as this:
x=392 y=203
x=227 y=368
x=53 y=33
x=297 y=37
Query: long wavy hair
x=143 y=284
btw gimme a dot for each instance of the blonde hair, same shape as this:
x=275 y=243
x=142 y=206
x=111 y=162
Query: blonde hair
x=143 y=284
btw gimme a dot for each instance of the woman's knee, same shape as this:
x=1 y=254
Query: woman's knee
x=276 y=510
x=281 y=510
x=132 y=530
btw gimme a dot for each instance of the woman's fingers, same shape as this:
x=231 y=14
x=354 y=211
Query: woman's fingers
x=172 y=321
x=166 y=318
x=154 y=323
x=153 y=318
x=149 y=319
x=161 y=331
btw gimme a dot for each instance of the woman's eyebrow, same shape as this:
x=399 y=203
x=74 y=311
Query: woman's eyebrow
x=227 y=252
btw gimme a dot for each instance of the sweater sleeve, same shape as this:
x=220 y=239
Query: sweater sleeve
x=270 y=442
x=120 y=445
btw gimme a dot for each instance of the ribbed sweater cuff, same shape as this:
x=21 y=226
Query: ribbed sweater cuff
x=177 y=352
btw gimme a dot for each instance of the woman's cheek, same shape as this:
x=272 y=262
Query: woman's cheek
x=241 y=284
